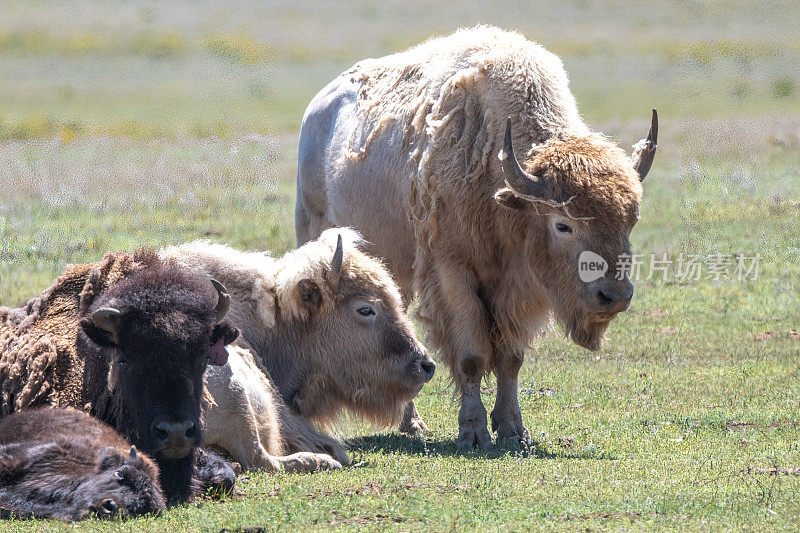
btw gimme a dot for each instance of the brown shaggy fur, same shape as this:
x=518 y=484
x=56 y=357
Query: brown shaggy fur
x=38 y=360
x=62 y=463
x=53 y=353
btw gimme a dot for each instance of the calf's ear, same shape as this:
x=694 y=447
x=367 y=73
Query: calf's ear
x=111 y=458
x=310 y=294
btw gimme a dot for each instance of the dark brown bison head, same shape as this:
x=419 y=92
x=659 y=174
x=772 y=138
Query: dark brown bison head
x=125 y=485
x=347 y=320
x=148 y=340
x=49 y=480
x=582 y=195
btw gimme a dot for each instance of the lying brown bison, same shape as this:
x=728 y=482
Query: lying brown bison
x=327 y=323
x=413 y=151
x=128 y=340
x=64 y=464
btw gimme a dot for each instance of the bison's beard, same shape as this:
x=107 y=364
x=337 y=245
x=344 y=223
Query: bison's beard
x=382 y=406
x=178 y=477
x=586 y=331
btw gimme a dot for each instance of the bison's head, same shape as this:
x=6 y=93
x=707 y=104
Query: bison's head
x=357 y=339
x=62 y=482
x=153 y=334
x=580 y=196
x=124 y=485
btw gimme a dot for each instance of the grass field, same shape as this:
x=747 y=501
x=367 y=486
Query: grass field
x=142 y=124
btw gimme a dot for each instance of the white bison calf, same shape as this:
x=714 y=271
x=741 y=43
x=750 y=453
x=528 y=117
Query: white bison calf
x=249 y=420
x=327 y=324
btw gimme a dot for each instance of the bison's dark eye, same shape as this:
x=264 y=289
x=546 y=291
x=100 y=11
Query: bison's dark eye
x=563 y=228
x=365 y=311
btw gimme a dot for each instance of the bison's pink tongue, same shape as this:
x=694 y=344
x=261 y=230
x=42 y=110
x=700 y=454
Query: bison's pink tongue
x=219 y=354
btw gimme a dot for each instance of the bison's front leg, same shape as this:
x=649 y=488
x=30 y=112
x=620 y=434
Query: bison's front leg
x=472 y=419
x=308 y=462
x=412 y=424
x=459 y=326
x=506 y=415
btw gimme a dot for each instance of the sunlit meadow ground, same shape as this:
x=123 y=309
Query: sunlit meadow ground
x=142 y=124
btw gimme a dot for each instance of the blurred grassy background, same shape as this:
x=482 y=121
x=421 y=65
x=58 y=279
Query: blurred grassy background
x=206 y=69
x=142 y=123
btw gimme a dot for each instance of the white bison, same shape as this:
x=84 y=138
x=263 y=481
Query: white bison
x=247 y=418
x=327 y=326
x=414 y=151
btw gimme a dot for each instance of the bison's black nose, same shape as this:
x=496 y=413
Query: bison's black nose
x=428 y=367
x=615 y=299
x=174 y=433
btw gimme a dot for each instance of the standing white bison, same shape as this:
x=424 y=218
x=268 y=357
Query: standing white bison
x=413 y=150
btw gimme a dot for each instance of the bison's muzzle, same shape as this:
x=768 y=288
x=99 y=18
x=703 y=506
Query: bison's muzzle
x=174 y=439
x=422 y=367
x=612 y=297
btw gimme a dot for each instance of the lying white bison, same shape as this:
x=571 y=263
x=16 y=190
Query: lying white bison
x=327 y=324
x=247 y=418
x=413 y=151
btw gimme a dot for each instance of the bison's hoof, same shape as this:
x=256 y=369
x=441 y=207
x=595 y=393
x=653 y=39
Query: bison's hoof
x=414 y=427
x=329 y=463
x=307 y=462
x=514 y=443
x=469 y=438
x=511 y=433
x=412 y=424
x=214 y=473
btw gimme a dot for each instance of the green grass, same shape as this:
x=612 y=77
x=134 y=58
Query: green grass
x=162 y=124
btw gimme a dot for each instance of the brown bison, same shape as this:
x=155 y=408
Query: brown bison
x=126 y=339
x=413 y=151
x=64 y=464
x=327 y=323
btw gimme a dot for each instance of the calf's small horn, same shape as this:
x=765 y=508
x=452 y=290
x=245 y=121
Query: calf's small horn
x=645 y=150
x=107 y=319
x=336 y=264
x=516 y=178
x=224 y=302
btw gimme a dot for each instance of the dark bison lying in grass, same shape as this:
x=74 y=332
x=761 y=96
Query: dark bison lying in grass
x=126 y=339
x=64 y=464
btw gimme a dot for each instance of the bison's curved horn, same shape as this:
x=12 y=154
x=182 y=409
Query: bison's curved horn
x=516 y=178
x=645 y=150
x=133 y=453
x=107 y=319
x=224 y=302
x=336 y=264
